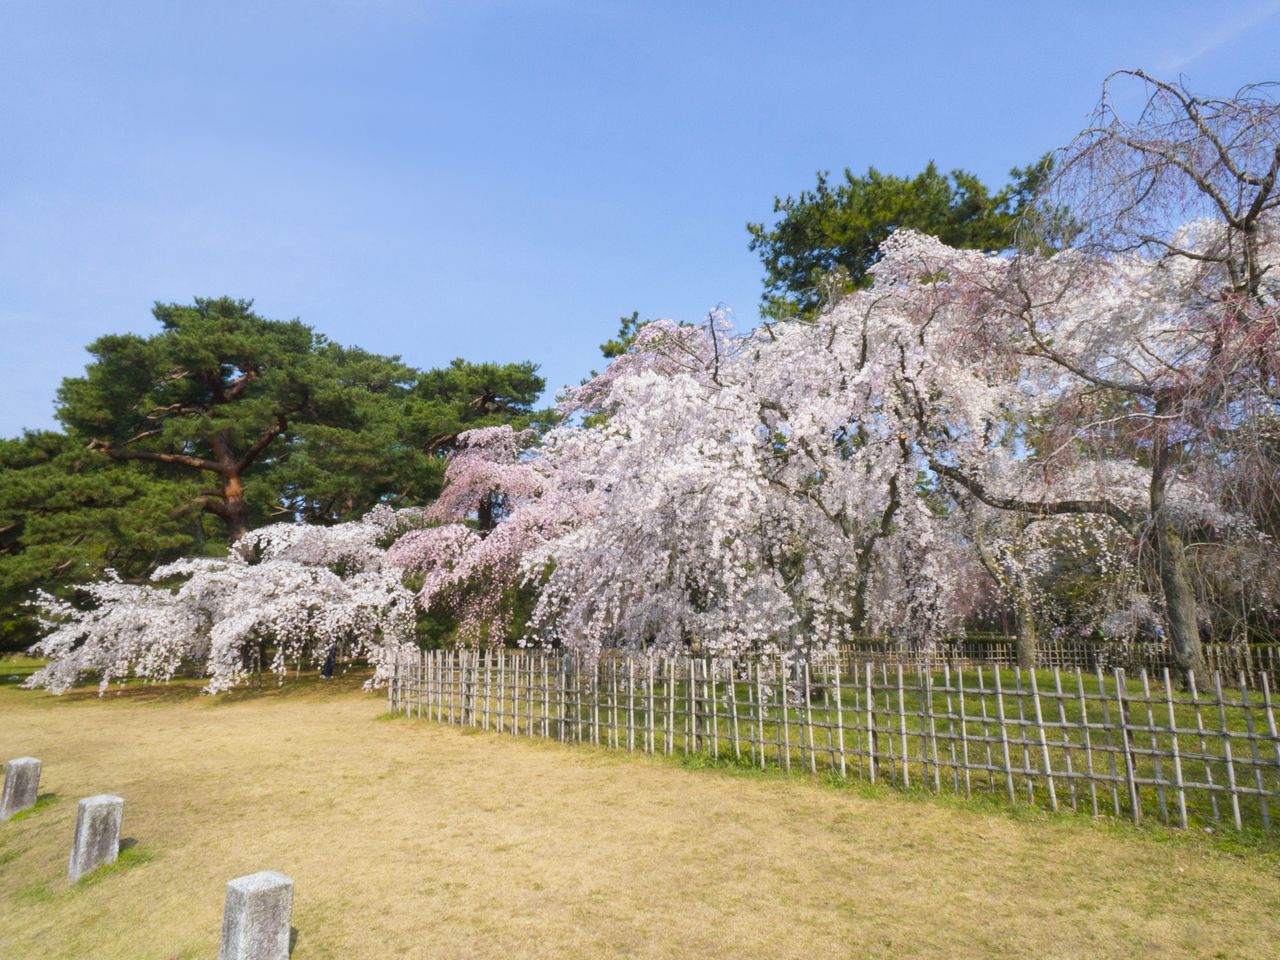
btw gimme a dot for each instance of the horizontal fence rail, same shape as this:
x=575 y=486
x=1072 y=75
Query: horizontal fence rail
x=1252 y=660
x=1097 y=741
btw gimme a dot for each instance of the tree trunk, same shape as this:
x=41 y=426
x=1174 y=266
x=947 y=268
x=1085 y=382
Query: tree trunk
x=485 y=514
x=233 y=510
x=866 y=550
x=1179 y=603
x=1012 y=581
x=1026 y=641
x=1171 y=560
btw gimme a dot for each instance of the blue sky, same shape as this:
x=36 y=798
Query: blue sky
x=501 y=181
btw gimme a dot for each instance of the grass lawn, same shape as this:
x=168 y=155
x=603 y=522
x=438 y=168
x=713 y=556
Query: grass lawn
x=15 y=669
x=410 y=839
x=964 y=732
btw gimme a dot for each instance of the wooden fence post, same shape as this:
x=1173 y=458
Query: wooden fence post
x=808 y=719
x=671 y=706
x=1088 y=741
x=760 y=710
x=840 y=719
x=986 y=730
x=1044 y=742
x=902 y=730
x=933 y=730
x=595 y=702
x=1247 y=709
x=1027 y=778
x=951 y=727
x=1111 y=748
x=871 y=727
x=1004 y=734
x=613 y=705
x=785 y=759
x=391 y=684
x=649 y=718
x=1177 y=757
x=733 y=707
x=1066 y=738
x=1135 y=803
x=1155 y=749
x=546 y=698
x=631 y=704
x=691 y=718
x=964 y=733
x=1226 y=750
x=1271 y=718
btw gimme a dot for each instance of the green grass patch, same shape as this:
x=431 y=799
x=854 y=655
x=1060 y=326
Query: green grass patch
x=51 y=891
x=1251 y=841
x=40 y=892
x=15 y=670
x=130 y=857
x=43 y=802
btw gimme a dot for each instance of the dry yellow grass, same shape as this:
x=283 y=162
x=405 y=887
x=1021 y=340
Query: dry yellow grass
x=408 y=839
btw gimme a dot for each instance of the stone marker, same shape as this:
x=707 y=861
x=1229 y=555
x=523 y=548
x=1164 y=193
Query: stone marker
x=97 y=834
x=255 y=920
x=21 y=781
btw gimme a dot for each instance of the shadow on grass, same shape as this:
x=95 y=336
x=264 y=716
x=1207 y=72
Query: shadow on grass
x=48 y=891
x=131 y=855
x=43 y=802
x=306 y=684
x=15 y=670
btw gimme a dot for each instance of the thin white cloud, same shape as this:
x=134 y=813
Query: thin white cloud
x=1227 y=30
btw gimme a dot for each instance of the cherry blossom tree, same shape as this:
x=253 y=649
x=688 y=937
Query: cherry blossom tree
x=496 y=504
x=297 y=590
x=1037 y=385
x=661 y=346
x=1118 y=376
x=723 y=501
x=778 y=489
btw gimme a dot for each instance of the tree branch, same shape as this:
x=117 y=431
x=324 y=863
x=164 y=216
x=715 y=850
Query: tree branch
x=281 y=425
x=1041 y=508
x=179 y=459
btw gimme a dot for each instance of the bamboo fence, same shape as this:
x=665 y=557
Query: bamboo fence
x=1095 y=741
x=1253 y=660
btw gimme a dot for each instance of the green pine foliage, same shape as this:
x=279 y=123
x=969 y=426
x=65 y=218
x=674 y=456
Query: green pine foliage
x=222 y=421
x=825 y=240
x=68 y=513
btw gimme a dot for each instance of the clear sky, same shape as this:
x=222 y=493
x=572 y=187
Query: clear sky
x=501 y=181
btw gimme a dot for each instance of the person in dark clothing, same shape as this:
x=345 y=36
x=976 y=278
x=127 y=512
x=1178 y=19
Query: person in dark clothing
x=326 y=672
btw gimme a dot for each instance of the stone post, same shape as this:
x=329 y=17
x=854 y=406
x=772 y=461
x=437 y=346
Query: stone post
x=21 y=781
x=97 y=834
x=255 y=920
